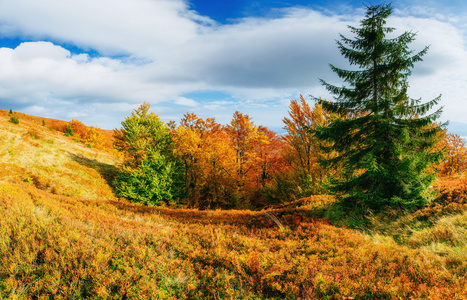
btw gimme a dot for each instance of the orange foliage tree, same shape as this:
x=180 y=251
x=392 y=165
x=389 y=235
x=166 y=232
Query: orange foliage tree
x=455 y=156
x=303 y=149
x=226 y=166
x=203 y=148
x=58 y=125
x=270 y=161
x=79 y=129
x=245 y=140
x=270 y=166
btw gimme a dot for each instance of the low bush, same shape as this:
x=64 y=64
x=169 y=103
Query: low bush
x=14 y=120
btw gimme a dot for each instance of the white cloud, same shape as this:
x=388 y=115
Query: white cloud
x=40 y=50
x=213 y=107
x=442 y=70
x=141 y=27
x=260 y=54
x=41 y=68
x=186 y=102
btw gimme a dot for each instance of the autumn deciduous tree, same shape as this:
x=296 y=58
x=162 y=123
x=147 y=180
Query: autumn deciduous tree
x=204 y=150
x=244 y=136
x=455 y=158
x=269 y=169
x=219 y=186
x=188 y=148
x=303 y=152
x=58 y=125
x=385 y=146
x=270 y=159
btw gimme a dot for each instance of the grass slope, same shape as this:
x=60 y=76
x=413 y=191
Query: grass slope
x=64 y=235
x=45 y=158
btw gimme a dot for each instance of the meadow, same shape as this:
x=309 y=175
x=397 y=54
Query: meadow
x=65 y=235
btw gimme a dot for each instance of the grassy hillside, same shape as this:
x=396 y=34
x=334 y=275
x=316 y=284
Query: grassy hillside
x=64 y=235
x=45 y=158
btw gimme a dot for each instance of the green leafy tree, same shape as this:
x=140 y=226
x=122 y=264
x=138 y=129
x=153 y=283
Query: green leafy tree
x=386 y=144
x=148 y=171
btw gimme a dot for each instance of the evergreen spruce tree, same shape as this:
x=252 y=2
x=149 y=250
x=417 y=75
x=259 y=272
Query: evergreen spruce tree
x=148 y=173
x=385 y=144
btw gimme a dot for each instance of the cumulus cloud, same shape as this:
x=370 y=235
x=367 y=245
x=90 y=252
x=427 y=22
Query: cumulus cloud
x=42 y=68
x=442 y=70
x=113 y=27
x=258 y=53
x=158 y=51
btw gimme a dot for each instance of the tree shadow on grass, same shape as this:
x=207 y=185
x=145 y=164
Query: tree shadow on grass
x=237 y=218
x=291 y=218
x=107 y=171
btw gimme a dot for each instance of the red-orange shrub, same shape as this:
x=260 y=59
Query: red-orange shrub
x=58 y=125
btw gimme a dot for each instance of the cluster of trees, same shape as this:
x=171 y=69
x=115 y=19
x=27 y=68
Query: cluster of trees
x=201 y=163
x=372 y=146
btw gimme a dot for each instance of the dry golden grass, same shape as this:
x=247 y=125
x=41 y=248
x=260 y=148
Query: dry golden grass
x=51 y=161
x=57 y=247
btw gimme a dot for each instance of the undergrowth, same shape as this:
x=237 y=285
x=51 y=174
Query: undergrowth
x=58 y=247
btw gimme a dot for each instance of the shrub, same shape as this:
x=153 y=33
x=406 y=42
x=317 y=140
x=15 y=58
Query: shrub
x=68 y=131
x=94 y=138
x=33 y=134
x=58 y=125
x=14 y=120
x=79 y=129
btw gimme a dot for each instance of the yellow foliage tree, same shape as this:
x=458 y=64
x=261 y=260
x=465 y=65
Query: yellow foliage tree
x=205 y=152
x=303 y=152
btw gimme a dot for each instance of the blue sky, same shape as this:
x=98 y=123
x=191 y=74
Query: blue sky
x=96 y=60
